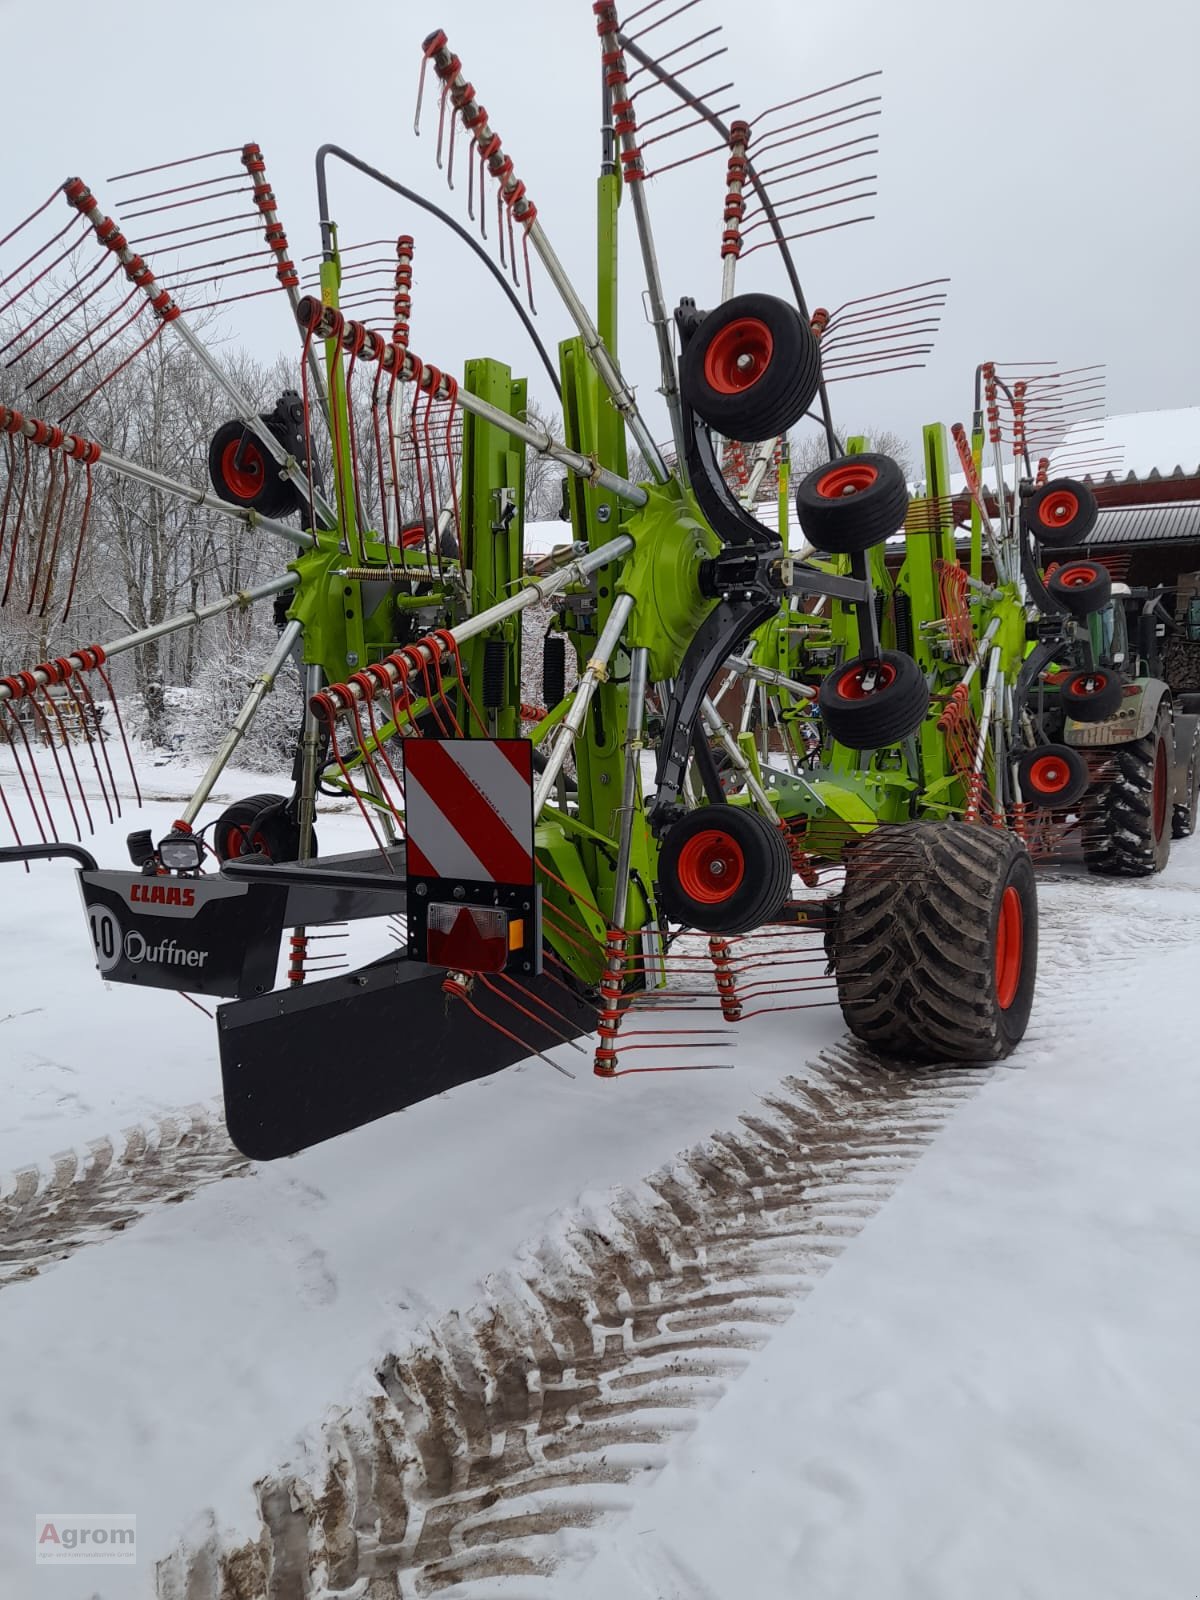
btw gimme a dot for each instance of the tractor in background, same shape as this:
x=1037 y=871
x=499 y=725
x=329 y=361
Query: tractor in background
x=1134 y=774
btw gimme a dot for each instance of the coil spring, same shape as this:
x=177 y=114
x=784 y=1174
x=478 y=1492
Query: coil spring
x=554 y=671
x=495 y=672
x=904 y=627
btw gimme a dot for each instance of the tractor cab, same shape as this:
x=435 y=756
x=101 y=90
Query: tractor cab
x=1148 y=622
x=1109 y=630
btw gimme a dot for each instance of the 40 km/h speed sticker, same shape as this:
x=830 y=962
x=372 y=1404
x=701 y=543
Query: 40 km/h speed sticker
x=106 y=936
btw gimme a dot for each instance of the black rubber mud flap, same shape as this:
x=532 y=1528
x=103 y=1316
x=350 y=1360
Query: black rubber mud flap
x=302 y=1065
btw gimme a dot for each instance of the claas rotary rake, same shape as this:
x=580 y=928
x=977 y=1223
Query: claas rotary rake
x=618 y=864
x=1038 y=690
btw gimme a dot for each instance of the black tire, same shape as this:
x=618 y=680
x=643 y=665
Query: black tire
x=1052 y=775
x=935 y=958
x=1062 y=512
x=1090 y=696
x=253 y=482
x=724 y=869
x=870 y=718
x=1129 y=835
x=259 y=824
x=1183 y=814
x=1081 y=587
x=852 y=504
x=751 y=369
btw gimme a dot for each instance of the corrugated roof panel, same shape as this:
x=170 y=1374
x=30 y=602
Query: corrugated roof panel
x=1164 y=524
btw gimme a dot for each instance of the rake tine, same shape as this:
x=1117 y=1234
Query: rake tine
x=815 y=94
x=679 y=49
x=826 y=205
x=845 y=144
x=809 y=194
x=182 y=188
x=643 y=11
x=670 y=16
x=661 y=116
x=183 y=161
x=886 y=294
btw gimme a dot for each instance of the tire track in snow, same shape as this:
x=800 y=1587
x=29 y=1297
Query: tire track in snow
x=81 y=1197
x=1086 y=922
x=485 y=1450
x=85 y=1196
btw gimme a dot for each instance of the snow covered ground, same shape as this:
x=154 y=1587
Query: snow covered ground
x=993 y=1393
x=964 y=1367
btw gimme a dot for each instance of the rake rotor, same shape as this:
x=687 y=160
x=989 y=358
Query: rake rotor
x=583 y=893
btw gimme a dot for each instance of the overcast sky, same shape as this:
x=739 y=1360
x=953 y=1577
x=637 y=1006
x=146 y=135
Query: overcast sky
x=1042 y=153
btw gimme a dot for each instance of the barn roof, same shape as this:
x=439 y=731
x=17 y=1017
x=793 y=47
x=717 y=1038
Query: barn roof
x=1152 y=524
x=1151 y=445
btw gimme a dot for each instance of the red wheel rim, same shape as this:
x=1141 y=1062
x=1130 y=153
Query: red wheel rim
x=1049 y=775
x=1088 y=683
x=412 y=537
x=1058 y=509
x=851 y=684
x=711 y=867
x=852 y=478
x=1010 y=947
x=244 y=481
x=738 y=355
x=240 y=842
x=1076 y=577
x=1161 y=787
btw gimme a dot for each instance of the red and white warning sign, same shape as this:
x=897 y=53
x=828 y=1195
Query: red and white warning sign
x=469 y=809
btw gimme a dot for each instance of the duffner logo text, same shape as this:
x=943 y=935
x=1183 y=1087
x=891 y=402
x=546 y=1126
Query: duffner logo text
x=169 y=953
x=161 y=894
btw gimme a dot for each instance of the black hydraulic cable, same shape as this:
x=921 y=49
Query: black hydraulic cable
x=442 y=216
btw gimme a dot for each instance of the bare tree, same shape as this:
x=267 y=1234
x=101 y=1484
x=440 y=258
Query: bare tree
x=811 y=451
x=543 y=476
x=147 y=553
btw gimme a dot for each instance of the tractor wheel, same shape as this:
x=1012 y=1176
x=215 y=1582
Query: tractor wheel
x=245 y=475
x=1062 y=512
x=1130 y=834
x=724 y=869
x=852 y=504
x=260 y=824
x=1082 y=587
x=935 y=941
x=1090 y=696
x=1183 y=817
x=1052 y=775
x=751 y=369
x=867 y=704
